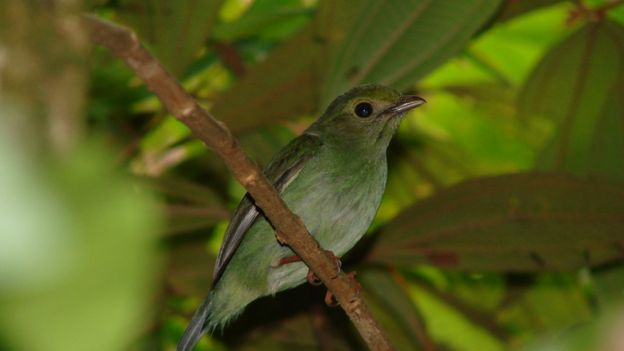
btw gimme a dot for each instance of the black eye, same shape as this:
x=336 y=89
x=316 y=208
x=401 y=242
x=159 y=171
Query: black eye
x=363 y=109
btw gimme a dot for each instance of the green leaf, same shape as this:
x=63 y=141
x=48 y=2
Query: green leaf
x=263 y=143
x=175 y=30
x=609 y=285
x=268 y=20
x=553 y=301
x=578 y=87
x=395 y=42
x=318 y=60
x=287 y=82
x=518 y=222
x=513 y=8
x=182 y=218
x=283 y=85
x=189 y=272
x=393 y=308
x=297 y=332
x=450 y=326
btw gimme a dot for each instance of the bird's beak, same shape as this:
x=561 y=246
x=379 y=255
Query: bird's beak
x=405 y=103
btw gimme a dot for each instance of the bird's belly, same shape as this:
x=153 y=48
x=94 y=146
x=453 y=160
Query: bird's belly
x=336 y=210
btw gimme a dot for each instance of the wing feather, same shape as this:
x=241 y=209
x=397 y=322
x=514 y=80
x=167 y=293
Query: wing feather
x=282 y=170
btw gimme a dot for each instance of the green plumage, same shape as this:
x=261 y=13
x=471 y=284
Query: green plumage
x=333 y=176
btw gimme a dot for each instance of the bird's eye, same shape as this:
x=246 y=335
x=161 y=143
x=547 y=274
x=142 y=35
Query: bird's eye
x=363 y=109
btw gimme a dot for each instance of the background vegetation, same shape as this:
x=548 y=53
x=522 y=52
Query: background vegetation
x=503 y=222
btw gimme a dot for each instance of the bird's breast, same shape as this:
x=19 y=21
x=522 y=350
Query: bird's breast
x=338 y=201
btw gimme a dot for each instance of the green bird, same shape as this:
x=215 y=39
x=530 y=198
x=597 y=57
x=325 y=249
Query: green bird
x=332 y=176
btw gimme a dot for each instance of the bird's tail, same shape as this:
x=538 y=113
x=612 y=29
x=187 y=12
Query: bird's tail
x=220 y=307
x=197 y=327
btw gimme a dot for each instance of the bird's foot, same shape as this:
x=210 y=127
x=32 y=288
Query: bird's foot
x=330 y=299
x=286 y=260
x=311 y=277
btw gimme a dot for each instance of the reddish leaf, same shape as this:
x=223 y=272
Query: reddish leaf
x=520 y=222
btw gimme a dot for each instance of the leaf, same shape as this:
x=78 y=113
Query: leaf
x=175 y=30
x=504 y=53
x=157 y=163
x=185 y=190
x=313 y=66
x=450 y=326
x=288 y=82
x=268 y=20
x=395 y=42
x=293 y=320
x=609 y=285
x=282 y=86
x=393 y=308
x=263 y=143
x=189 y=272
x=517 y=222
x=515 y=8
x=578 y=87
x=189 y=206
x=549 y=302
x=182 y=218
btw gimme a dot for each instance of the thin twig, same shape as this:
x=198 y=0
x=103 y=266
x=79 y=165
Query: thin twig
x=289 y=228
x=592 y=14
x=230 y=57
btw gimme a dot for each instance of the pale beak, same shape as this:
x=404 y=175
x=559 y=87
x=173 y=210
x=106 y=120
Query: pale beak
x=405 y=103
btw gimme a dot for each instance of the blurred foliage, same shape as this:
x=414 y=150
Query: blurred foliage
x=502 y=226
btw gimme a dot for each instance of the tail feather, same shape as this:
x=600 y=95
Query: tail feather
x=218 y=309
x=196 y=328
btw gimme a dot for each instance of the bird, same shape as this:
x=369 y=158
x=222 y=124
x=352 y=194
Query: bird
x=333 y=177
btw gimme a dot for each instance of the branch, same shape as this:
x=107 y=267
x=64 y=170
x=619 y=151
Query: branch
x=289 y=228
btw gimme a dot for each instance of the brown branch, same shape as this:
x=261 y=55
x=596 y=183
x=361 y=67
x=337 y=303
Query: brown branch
x=289 y=228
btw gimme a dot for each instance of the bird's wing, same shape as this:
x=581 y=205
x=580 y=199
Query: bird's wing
x=282 y=170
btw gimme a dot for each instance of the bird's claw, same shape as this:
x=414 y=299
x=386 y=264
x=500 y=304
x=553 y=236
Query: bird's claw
x=313 y=279
x=330 y=299
x=286 y=260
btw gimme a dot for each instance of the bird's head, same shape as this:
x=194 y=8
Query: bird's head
x=365 y=116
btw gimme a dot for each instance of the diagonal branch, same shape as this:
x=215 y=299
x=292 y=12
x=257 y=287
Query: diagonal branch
x=291 y=230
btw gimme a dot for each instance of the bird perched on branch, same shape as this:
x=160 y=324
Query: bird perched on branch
x=332 y=176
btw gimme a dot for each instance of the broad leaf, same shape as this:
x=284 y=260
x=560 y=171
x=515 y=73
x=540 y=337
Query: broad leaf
x=515 y=8
x=521 y=222
x=269 y=20
x=451 y=327
x=288 y=82
x=311 y=68
x=578 y=87
x=393 y=308
x=189 y=270
x=396 y=42
x=282 y=86
x=188 y=206
x=549 y=302
x=175 y=30
x=181 y=190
